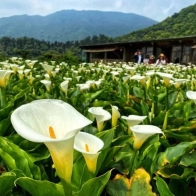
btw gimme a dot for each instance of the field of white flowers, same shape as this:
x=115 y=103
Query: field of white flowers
x=97 y=129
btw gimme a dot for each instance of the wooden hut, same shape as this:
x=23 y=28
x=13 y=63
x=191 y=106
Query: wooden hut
x=181 y=49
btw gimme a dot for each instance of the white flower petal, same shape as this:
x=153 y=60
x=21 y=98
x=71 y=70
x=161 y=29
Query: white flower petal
x=32 y=121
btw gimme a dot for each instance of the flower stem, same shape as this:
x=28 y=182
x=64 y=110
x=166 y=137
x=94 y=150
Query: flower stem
x=3 y=97
x=67 y=188
x=167 y=97
x=133 y=162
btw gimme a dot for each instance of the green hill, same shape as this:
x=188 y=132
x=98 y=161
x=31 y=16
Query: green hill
x=71 y=25
x=180 y=24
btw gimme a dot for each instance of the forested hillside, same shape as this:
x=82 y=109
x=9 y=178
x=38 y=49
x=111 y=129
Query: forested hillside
x=71 y=25
x=180 y=24
x=32 y=48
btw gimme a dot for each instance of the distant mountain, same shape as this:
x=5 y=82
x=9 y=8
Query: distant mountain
x=180 y=24
x=71 y=25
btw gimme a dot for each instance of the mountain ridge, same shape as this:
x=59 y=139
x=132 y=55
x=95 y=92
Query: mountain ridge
x=68 y=25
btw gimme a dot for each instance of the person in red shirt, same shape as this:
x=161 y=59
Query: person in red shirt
x=151 y=59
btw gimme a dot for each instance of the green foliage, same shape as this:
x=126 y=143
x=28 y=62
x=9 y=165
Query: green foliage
x=180 y=24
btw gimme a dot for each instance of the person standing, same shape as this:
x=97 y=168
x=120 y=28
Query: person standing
x=138 y=57
x=146 y=59
x=152 y=59
x=161 y=60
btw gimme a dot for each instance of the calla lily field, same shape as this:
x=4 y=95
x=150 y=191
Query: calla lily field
x=97 y=129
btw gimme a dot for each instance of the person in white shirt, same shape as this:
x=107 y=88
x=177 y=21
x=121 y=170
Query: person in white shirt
x=138 y=57
x=146 y=59
x=161 y=60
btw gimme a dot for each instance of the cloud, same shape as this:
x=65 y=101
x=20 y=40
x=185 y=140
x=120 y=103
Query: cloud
x=157 y=10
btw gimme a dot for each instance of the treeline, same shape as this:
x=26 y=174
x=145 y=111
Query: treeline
x=44 y=50
x=180 y=24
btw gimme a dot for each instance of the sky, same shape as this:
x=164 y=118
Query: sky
x=154 y=9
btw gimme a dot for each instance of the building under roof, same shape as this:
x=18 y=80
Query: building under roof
x=181 y=48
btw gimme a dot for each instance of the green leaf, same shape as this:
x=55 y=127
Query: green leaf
x=189 y=159
x=94 y=186
x=145 y=108
x=138 y=92
x=122 y=140
x=37 y=188
x=80 y=174
x=7 y=181
x=179 y=187
x=106 y=136
x=16 y=158
x=163 y=187
x=187 y=110
x=4 y=125
x=172 y=96
x=147 y=159
x=138 y=185
x=175 y=172
x=174 y=154
x=6 y=111
x=109 y=160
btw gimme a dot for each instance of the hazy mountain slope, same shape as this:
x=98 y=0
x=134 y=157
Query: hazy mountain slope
x=72 y=25
x=180 y=24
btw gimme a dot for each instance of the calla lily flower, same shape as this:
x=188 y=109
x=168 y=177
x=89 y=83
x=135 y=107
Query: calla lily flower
x=48 y=68
x=126 y=78
x=4 y=76
x=166 y=77
x=131 y=69
x=142 y=132
x=78 y=78
x=178 y=82
x=55 y=123
x=89 y=145
x=191 y=95
x=31 y=79
x=64 y=86
x=14 y=67
x=101 y=116
x=142 y=79
x=54 y=73
x=21 y=74
x=91 y=83
x=115 y=115
x=47 y=84
x=26 y=71
x=83 y=86
x=98 y=83
x=133 y=120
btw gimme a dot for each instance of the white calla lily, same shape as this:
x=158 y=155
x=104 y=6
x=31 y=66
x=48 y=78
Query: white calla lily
x=26 y=71
x=101 y=116
x=55 y=123
x=47 y=84
x=20 y=74
x=89 y=145
x=64 y=86
x=166 y=77
x=115 y=115
x=177 y=82
x=191 y=95
x=31 y=79
x=4 y=76
x=54 y=72
x=141 y=79
x=142 y=132
x=133 y=120
x=48 y=68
